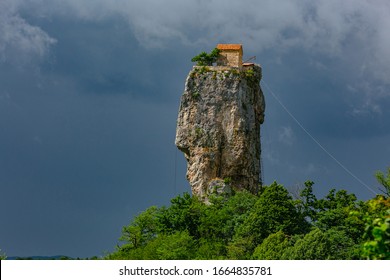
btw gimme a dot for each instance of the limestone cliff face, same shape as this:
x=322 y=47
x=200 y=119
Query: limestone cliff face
x=218 y=129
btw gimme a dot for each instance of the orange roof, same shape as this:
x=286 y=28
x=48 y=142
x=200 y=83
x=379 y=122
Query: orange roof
x=235 y=47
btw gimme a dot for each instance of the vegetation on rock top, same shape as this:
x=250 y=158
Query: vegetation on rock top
x=206 y=59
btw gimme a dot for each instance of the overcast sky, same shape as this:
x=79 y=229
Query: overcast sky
x=90 y=90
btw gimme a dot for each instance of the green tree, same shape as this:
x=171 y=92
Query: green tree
x=210 y=249
x=274 y=211
x=334 y=212
x=206 y=59
x=384 y=181
x=308 y=202
x=321 y=245
x=175 y=246
x=376 y=244
x=2 y=255
x=221 y=218
x=272 y=248
x=219 y=222
x=142 y=229
x=183 y=214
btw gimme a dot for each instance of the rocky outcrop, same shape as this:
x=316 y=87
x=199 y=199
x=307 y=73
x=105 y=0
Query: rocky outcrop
x=218 y=129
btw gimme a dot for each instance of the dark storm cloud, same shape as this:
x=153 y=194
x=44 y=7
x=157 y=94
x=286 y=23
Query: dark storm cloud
x=350 y=36
x=353 y=32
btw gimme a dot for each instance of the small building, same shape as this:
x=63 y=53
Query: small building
x=230 y=55
x=247 y=65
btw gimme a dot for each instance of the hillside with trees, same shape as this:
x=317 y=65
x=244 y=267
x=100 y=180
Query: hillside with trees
x=271 y=225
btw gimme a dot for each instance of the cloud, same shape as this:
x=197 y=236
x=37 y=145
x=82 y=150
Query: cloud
x=323 y=26
x=372 y=96
x=305 y=170
x=286 y=135
x=352 y=33
x=20 y=42
x=271 y=156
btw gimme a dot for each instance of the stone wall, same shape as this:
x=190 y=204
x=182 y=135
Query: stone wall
x=231 y=58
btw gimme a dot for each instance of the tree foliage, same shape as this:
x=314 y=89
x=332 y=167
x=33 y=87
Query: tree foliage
x=270 y=225
x=273 y=211
x=206 y=59
x=273 y=247
x=142 y=229
x=321 y=245
x=376 y=244
x=384 y=181
x=2 y=255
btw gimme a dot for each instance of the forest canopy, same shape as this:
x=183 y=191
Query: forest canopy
x=271 y=226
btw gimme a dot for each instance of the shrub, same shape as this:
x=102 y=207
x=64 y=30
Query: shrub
x=206 y=59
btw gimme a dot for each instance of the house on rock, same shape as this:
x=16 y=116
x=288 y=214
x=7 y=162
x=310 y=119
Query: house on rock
x=230 y=55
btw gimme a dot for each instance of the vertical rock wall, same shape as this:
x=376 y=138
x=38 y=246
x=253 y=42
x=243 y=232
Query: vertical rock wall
x=218 y=129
